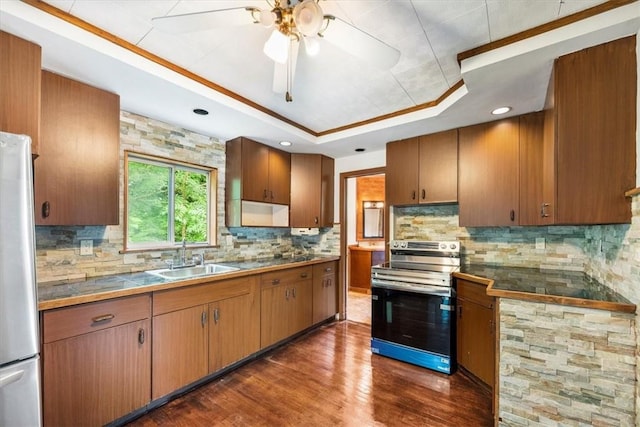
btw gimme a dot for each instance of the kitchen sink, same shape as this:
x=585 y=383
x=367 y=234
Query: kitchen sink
x=195 y=271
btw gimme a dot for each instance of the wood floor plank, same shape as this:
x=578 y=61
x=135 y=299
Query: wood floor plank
x=329 y=377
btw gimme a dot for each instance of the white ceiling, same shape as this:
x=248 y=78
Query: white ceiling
x=332 y=89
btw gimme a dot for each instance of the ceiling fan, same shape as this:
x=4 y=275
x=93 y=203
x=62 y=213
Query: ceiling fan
x=302 y=22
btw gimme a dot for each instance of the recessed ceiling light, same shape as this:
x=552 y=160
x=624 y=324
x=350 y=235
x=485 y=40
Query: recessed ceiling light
x=200 y=111
x=501 y=110
x=285 y=143
x=359 y=150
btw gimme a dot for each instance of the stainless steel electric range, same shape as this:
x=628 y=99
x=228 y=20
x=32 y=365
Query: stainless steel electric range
x=413 y=304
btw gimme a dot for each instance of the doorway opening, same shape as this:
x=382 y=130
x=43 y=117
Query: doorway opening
x=362 y=239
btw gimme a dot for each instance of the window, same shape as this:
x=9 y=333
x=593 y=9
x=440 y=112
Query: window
x=168 y=202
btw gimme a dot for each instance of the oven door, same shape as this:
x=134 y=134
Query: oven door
x=421 y=321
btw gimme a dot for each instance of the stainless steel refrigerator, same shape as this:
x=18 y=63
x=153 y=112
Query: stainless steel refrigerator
x=20 y=403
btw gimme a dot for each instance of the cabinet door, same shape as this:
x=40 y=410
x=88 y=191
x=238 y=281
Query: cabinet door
x=77 y=174
x=279 y=177
x=438 y=177
x=324 y=291
x=98 y=377
x=301 y=306
x=532 y=169
x=179 y=349
x=306 y=174
x=488 y=174
x=274 y=314
x=360 y=269
x=401 y=175
x=475 y=340
x=20 y=84
x=255 y=171
x=229 y=321
x=326 y=192
x=595 y=101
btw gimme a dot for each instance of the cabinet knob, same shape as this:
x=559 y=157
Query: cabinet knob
x=315 y=220
x=304 y=275
x=328 y=269
x=46 y=209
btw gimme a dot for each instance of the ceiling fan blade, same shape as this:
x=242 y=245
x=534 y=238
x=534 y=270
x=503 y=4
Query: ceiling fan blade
x=280 y=70
x=360 y=44
x=199 y=21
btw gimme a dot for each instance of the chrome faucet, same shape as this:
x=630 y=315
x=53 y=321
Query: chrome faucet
x=183 y=257
x=197 y=259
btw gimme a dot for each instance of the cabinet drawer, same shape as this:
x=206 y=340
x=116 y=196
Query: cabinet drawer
x=178 y=299
x=286 y=276
x=325 y=269
x=77 y=320
x=475 y=292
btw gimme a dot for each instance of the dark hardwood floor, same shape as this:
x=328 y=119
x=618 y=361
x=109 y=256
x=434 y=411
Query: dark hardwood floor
x=329 y=377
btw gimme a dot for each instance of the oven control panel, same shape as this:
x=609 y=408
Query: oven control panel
x=427 y=246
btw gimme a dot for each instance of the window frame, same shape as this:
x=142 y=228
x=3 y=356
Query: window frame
x=172 y=164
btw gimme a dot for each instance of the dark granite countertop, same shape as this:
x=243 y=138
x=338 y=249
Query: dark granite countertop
x=545 y=285
x=70 y=292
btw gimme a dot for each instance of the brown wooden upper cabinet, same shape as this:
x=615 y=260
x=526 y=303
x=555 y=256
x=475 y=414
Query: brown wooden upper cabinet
x=590 y=136
x=20 y=87
x=488 y=174
x=422 y=169
x=311 y=191
x=77 y=174
x=262 y=172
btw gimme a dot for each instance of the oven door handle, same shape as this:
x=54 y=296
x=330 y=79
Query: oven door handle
x=421 y=289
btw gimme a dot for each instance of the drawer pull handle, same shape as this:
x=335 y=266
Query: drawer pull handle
x=286 y=294
x=141 y=336
x=275 y=281
x=328 y=269
x=293 y=292
x=216 y=315
x=103 y=318
x=304 y=275
x=203 y=319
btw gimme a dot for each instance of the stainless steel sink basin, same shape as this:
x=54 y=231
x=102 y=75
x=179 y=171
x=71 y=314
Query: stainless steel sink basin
x=186 y=273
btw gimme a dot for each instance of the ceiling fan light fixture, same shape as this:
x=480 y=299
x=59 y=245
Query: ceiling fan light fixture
x=277 y=47
x=311 y=45
x=308 y=17
x=267 y=18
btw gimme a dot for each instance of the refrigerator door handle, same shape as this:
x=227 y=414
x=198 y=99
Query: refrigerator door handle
x=11 y=378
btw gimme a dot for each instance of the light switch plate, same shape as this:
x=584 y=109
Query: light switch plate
x=86 y=247
x=540 y=243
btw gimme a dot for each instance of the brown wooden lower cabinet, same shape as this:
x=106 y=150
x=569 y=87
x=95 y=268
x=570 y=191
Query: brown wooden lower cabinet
x=179 y=349
x=95 y=369
x=324 y=291
x=104 y=360
x=233 y=334
x=286 y=306
x=200 y=329
x=361 y=258
x=476 y=331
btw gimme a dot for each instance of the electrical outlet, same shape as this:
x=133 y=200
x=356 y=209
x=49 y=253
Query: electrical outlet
x=540 y=243
x=86 y=247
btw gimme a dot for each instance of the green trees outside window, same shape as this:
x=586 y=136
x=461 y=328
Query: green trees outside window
x=167 y=203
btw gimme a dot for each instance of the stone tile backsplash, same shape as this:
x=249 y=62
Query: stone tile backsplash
x=58 y=248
